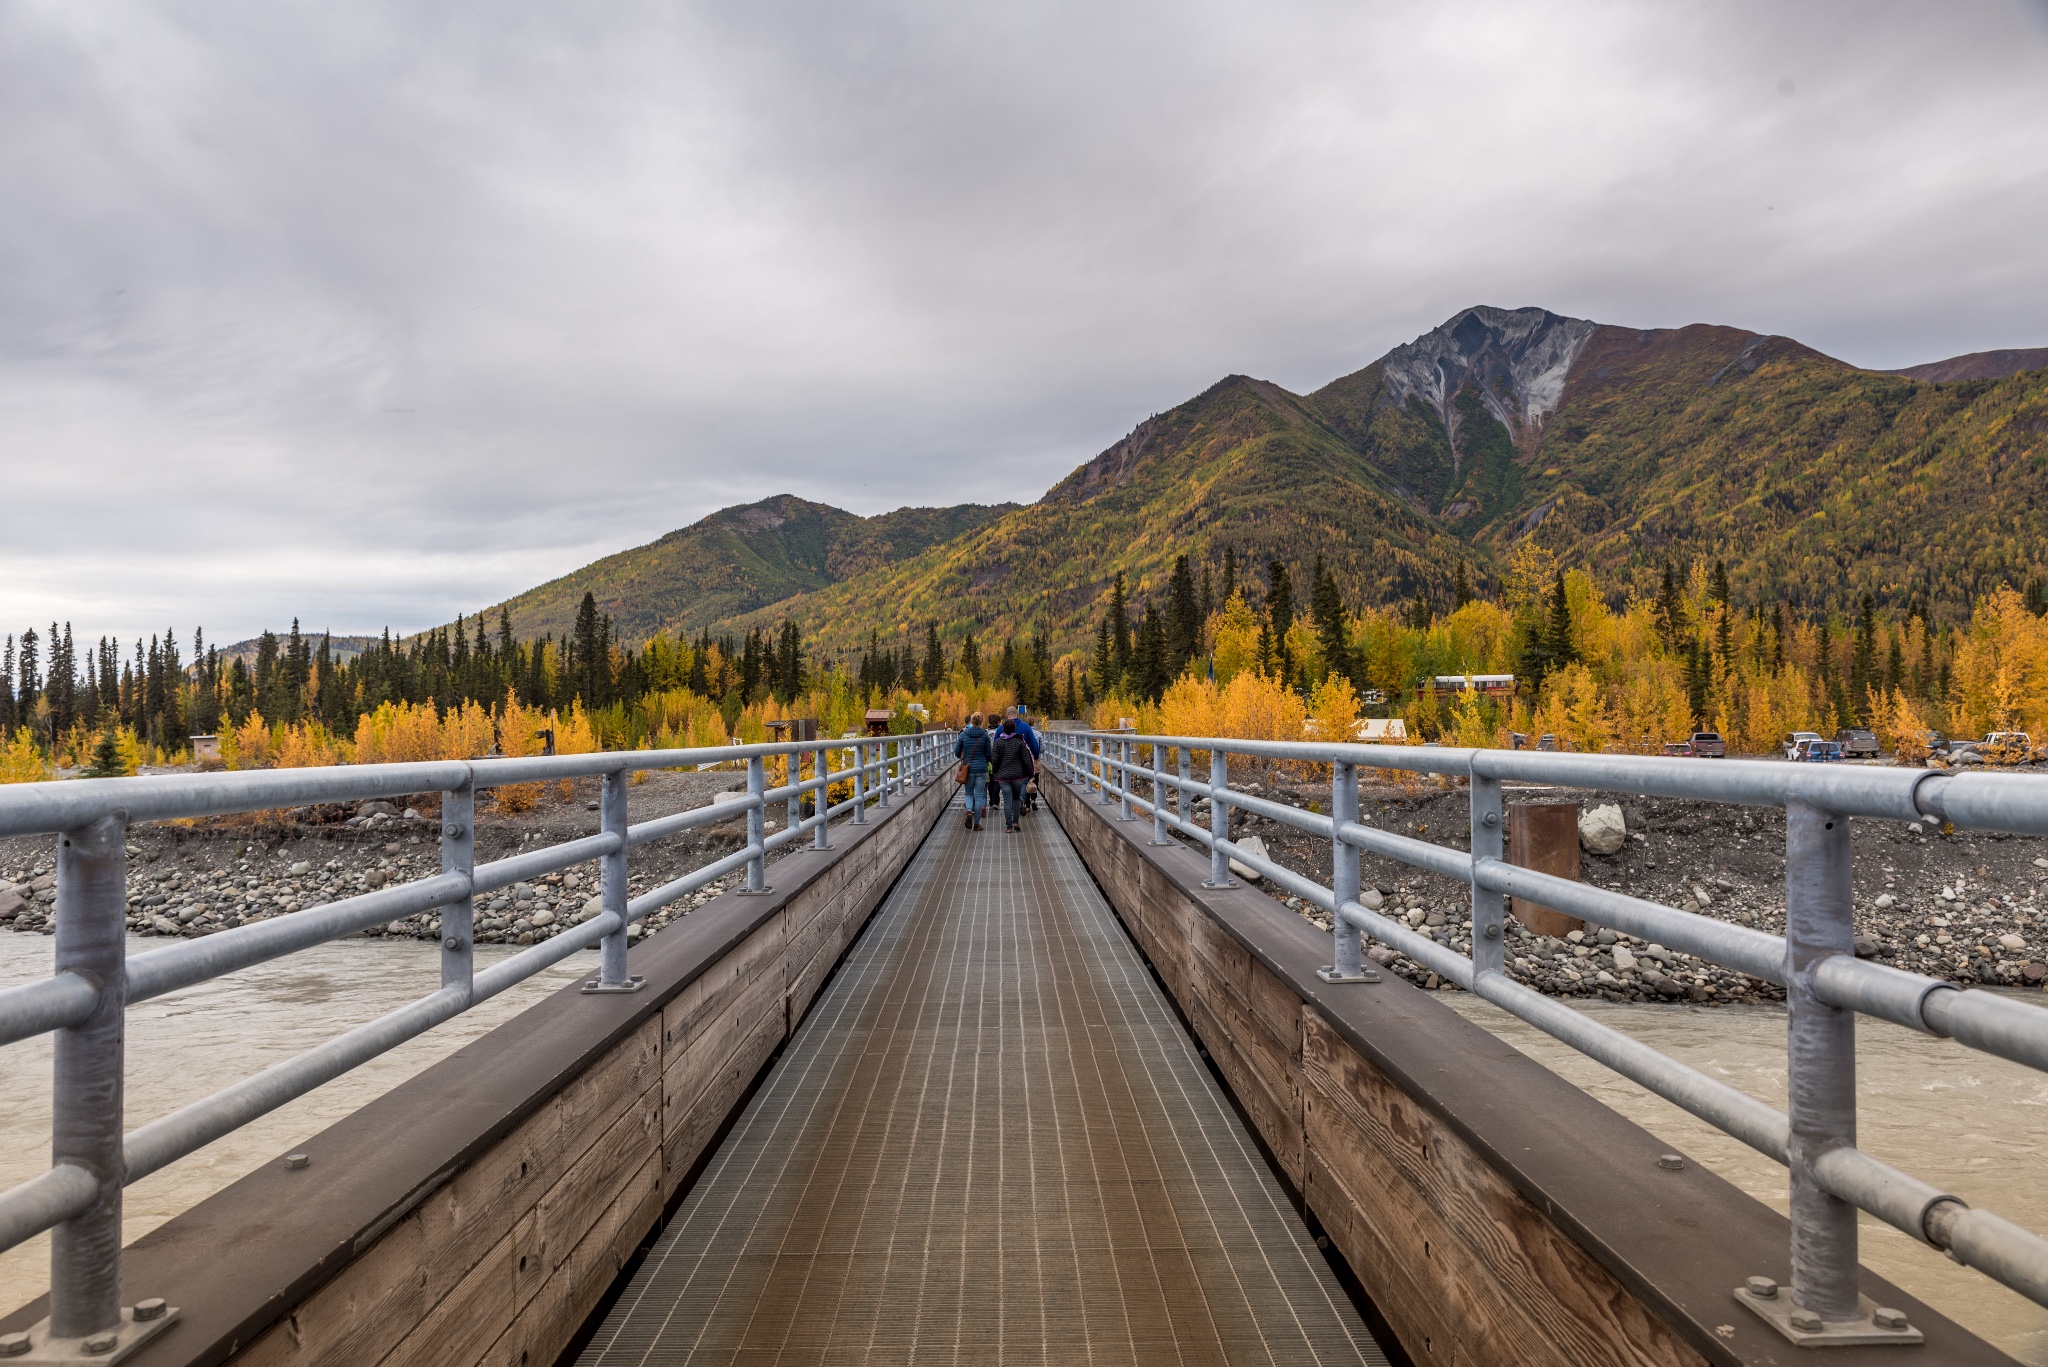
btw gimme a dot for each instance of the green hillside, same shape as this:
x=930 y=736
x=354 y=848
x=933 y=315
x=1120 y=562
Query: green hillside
x=1245 y=464
x=1617 y=448
x=735 y=560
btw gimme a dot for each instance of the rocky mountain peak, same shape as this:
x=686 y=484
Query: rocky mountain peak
x=1516 y=359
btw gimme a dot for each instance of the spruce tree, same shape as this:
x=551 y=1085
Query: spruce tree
x=1151 y=655
x=1863 y=662
x=1718 y=586
x=1326 y=610
x=1105 y=673
x=970 y=658
x=1183 y=617
x=1670 y=609
x=1280 y=616
x=934 y=672
x=1120 y=642
x=1229 y=574
x=106 y=758
x=1461 y=590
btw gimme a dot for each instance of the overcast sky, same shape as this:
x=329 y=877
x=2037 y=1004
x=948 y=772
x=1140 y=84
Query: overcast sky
x=372 y=312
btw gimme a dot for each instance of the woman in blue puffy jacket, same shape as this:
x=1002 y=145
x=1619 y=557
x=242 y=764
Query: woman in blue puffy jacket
x=974 y=750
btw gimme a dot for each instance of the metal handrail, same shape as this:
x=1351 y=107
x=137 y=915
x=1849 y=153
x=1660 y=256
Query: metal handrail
x=1826 y=984
x=84 y=1000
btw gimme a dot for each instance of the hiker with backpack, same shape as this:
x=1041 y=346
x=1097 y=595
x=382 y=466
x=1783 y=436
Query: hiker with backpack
x=1013 y=768
x=975 y=752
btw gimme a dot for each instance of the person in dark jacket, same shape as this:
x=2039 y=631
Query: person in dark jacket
x=974 y=750
x=1037 y=753
x=1013 y=769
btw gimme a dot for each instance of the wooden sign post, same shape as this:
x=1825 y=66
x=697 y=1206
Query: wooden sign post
x=1544 y=836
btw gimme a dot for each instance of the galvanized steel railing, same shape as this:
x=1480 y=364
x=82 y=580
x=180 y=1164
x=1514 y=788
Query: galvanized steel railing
x=84 y=999
x=1826 y=984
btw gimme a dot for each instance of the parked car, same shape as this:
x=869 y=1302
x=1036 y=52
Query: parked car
x=2000 y=747
x=1797 y=739
x=1709 y=745
x=1678 y=747
x=1547 y=741
x=1857 y=742
x=1820 y=752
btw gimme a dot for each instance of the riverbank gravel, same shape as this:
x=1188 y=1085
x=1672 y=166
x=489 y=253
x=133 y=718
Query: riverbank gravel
x=193 y=879
x=1963 y=907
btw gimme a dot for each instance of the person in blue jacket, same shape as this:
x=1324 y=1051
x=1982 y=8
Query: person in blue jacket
x=974 y=750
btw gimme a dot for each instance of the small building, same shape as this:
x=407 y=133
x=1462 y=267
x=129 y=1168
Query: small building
x=1486 y=685
x=1380 y=730
x=206 y=749
x=794 y=729
x=878 y=720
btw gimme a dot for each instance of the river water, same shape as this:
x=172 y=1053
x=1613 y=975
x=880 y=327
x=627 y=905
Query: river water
x=186 y=1045
x=1970 y=1124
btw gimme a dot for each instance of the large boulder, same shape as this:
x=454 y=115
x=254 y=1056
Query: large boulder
x=1602 y=831
x=1251 y=845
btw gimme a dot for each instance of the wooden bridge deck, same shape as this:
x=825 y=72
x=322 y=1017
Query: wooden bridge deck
x=991 y=1141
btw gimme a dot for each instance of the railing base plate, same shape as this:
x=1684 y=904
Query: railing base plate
x=1218 y=887
x=613 y=989
x=45 y=1351
x=1779 y=1310
x=1329 y=974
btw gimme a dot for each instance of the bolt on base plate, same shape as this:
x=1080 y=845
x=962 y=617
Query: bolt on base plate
x=131 y=1334
x=1329 y=974
x=1811 y=1331
x=610 y=989
x=1226 y=883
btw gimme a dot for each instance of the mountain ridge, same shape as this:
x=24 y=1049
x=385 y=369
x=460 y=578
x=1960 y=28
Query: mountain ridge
x=1621 y=448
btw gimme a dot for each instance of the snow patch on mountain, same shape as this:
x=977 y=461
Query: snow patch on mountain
x=1533 y=349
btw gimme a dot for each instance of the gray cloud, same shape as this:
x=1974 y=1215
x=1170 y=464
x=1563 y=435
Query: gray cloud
x=375 y=312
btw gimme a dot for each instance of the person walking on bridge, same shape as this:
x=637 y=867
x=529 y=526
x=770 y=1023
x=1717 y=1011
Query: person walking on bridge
x=974 y=752
x=1013 y=769
x=1037 y=753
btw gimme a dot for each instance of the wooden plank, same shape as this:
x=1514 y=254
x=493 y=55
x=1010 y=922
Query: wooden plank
x=1385 y=1263
x=1268 y=1094
x=691 y=1130
x=1523 y=1271
x=461 y=1328
x=691 y=1070
x=705 y=1001
x=561 y=1301
x=576 y=1202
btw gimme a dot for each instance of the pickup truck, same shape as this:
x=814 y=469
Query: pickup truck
x=1709 y=745
x=2000 y=747
x=1857 y=742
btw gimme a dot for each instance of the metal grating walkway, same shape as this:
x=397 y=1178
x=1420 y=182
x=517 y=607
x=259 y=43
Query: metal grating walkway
x=989 y=1142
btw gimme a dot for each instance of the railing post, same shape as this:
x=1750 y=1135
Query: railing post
x=860 y=779
x=1123 y=780
x=1219 y=822
x=757 y=826
x=92 y=920
x=1489 y=924
x=1350 y=947
x=821 y=768
x=1159 y=836
x=458 y=918
x=1187 y=777
x=611 y=950
x=882 y=758
x=1820 y=1060
x=1107 y=793
x=793 y=773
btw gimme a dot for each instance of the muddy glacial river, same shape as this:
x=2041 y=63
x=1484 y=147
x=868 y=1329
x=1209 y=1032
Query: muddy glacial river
x=189 y=1044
